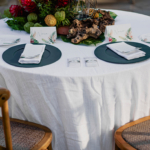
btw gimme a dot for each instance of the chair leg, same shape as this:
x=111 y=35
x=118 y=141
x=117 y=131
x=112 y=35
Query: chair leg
x=50 y=147
x=116 y=147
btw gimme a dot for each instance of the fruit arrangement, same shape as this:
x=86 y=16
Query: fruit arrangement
x=40 y=13
x=62 y=14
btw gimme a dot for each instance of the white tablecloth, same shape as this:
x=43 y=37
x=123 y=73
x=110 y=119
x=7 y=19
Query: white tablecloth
x=82 y=106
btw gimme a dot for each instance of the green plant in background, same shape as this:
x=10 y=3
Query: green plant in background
x=7 y=14
x=64 y=16
x=45 y=9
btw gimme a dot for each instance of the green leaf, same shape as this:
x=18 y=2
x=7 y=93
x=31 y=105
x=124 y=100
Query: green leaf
x=36 y=41
x=45 y=9
x=114 y=40
x=113 y=15
x=88 y=41
x=129 y=30
x=7 y=14
x=17 y=23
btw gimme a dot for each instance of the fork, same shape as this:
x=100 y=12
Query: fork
x=16 y=41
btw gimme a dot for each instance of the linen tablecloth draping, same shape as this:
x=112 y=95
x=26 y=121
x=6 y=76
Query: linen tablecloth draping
x=82 y=106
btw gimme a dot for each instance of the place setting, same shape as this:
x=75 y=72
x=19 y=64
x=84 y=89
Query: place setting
x=30 y=55
x=123 y=52
x=38 y=53
x=120 y=49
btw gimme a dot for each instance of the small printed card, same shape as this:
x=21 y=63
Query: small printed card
x=91 y=62
x=116 y=33
x=145 y=38
x=74 y=62
x=45 y=35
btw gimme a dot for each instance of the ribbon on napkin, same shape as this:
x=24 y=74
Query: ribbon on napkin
x=32 y=54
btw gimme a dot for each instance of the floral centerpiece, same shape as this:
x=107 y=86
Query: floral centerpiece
x=60 y=13
x=38 y=13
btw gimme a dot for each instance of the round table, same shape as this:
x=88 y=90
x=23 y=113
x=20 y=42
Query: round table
x=82 y=106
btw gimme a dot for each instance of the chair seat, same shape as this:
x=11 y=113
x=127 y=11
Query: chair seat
x=138 y=136
x=24 y=136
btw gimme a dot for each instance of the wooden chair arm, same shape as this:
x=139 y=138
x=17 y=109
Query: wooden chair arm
x=4 y=96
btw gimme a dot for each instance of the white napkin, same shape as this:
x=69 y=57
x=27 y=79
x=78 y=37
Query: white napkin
x=125 y=50
x=32 y=54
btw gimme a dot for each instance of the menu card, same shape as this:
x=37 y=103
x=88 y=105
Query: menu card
x=121 y=32
x=46 y=35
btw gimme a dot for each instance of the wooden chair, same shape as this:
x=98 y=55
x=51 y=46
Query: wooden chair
x=134 y=135
x=21 y=135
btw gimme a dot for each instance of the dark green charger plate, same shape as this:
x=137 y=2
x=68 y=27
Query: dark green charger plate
x=104 y=53
x=12 y=55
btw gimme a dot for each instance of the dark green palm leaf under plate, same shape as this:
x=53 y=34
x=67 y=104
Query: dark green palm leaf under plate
x=88 y=41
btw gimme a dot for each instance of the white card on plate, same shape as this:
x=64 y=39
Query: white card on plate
x=91 y=62
x=119 y=33
x=46 y=35
x=74 y=62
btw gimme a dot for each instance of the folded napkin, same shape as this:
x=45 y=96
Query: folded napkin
x=125 y=50
x=32 y=54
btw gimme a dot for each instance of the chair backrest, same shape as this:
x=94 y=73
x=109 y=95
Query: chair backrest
x=4 y=96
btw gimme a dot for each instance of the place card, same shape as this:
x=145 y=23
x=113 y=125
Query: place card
x=74 y=62
x=145 y=38
x=45 y=35
x=91 y=62
x=121 y=32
